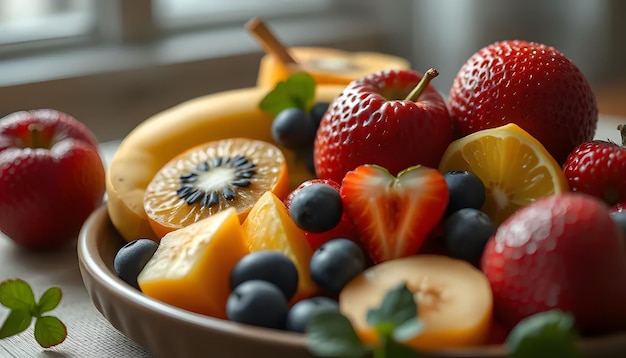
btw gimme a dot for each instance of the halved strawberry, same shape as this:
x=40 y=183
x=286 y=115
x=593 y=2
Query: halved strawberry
x=394 y=215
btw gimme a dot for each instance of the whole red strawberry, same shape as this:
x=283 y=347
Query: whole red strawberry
x=387 y=119
x=394 y=215
x=560 y=252
x=343 y=229
x=530 y=84
x=52 y=177
x=598 y=168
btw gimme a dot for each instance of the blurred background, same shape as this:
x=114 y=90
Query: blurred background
x=114 y=63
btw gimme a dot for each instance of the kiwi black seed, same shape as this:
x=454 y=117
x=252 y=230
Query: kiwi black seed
x=191 y=188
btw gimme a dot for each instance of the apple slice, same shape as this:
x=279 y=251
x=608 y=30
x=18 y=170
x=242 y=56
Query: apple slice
x=454 y=299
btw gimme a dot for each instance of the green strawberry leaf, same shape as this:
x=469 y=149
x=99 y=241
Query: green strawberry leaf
x=17 y=322
x=16 y=294
x=297 y=91
x=546 y=334
x=49 y=300
x=49 y=331
x=331 y=334
x=397 y=308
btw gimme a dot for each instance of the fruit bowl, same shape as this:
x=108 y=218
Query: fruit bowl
x=169 y=331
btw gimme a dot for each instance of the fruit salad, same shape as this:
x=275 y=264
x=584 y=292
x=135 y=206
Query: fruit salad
x=277 y=206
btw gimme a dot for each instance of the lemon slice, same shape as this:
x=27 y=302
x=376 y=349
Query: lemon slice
x=514 y=166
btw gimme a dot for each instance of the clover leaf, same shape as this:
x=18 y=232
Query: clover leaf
x=18 y=296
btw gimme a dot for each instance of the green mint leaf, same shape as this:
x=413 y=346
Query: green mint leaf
x=49 y=331
x=546 y=334
x=397 y=350
x=331 y=334
x=16 y=294
x=297 y=91
x=17 y=321
x=408 y=330
x=49 y=300
x=397 y=307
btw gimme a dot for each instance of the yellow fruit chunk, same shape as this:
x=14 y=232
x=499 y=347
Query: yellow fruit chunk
x=327 y=65
x=514 y=166
x=191 y=266
x=269 y=227
x=454 y=300
x=211 y=177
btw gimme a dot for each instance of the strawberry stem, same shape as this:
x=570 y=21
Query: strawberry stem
x=622 y=129
x=422 y=84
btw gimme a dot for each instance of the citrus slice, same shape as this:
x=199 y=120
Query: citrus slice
x=514 y=166
x=269 y=227
x=211 y=177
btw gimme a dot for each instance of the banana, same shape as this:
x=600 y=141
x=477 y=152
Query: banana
x=156 y=140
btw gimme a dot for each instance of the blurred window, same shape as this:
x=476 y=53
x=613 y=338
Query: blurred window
x=29 y=20
x=44 y=39
x=181 y=13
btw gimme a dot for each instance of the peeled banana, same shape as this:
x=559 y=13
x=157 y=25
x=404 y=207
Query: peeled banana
x=155 y=141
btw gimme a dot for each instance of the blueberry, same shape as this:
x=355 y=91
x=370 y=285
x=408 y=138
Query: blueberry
x=466 y=190
x=131 y=258
x=258 y=303
x=267 y=265
x=317 y=112
x=335 y=263
x=293 y=129
x=466 y=233
x=619 y=217
x=303 y=311
x=316 y=207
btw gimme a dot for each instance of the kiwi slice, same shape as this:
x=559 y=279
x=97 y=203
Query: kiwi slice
x=211 y=177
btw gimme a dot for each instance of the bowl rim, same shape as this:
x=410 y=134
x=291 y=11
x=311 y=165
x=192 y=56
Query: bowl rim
x=93 y=265
x=97 y=269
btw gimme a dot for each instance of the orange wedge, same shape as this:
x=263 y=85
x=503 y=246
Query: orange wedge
x=269 y=227
x=514 y=166
x=211 y=177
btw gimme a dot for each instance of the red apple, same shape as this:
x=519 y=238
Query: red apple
x=51 y=177
x=395 y=119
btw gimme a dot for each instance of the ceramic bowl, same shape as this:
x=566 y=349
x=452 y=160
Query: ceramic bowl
x=168 y=331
